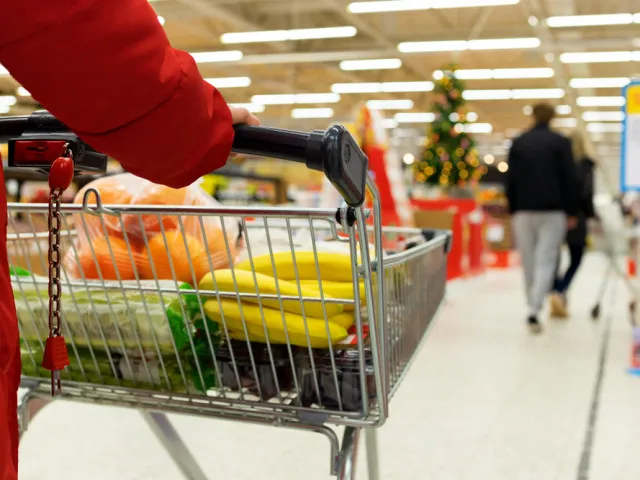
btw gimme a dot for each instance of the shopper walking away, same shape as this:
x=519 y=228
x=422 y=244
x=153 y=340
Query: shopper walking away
x=577 y=238
x=107 y=71
x=542 y=191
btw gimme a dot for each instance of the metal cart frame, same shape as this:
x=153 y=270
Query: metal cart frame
x=403 y=292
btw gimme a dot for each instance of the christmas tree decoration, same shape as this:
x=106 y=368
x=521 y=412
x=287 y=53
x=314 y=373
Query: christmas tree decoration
x=449 y=157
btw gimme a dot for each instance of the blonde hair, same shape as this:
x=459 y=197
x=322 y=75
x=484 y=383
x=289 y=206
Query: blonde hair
x=578 y=145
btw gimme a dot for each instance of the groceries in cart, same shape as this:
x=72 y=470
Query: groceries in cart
x=156 y=298
x=120 y=246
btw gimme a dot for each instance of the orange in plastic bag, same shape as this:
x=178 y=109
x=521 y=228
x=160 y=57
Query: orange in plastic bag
x=174 y=253
x=153 y=194
x=218 y=249
x=112 y=191
x=122 y=262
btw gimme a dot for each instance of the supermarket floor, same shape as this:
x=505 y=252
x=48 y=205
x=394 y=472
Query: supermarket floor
x=484 y=401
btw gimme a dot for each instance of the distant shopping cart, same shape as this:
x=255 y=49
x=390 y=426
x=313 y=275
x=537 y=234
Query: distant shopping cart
x=163 y=345
x=616 y=235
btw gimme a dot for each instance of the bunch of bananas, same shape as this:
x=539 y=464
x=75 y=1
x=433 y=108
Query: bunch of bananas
x=300 y=322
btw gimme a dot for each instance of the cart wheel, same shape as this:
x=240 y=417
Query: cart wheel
x=595 y=312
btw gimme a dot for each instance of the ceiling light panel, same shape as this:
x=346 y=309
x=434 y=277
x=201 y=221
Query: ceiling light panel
x=384 y=87
x=376 y=64
x=599 y=57
x=614 y=82
x=590 y=20
x=618 y=101
x=516 y=94
x=222 y=56
x=477 y=128
x=615 y=116
x=403 y=104
x=312 y=113
x=252 y=107
x=288 y=35
x=229 y=82
x=412 y=5
x=415 y=117
x=292 y=99
x=461 y=45
x=499 y=73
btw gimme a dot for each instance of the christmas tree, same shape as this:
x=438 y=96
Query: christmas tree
x=449 y=156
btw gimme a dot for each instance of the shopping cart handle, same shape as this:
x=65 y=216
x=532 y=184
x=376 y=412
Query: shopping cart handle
x=333 y=151
x=35 y=141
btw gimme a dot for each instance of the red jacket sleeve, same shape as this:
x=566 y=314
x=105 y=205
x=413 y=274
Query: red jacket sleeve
x=105 y=68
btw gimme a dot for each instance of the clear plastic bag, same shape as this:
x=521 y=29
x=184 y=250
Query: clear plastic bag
x=167 y=247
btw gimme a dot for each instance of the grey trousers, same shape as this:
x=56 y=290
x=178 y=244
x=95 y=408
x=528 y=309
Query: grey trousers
x=539 y=237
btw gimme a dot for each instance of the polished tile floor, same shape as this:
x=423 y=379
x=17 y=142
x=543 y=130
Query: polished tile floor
x=484 y=401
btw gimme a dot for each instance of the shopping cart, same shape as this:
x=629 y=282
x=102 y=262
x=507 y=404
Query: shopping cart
x=617 y=240
x=153 y=344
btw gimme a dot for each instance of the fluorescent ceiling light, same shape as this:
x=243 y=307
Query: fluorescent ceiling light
x=414 y=117
x=564 y=122
x=486 y=94
x=526 y=93
x=385 y=87
x=442 y=46
x=604 y=127
x=477 y=128
x=252 y=107
x=161 y=20
x=23 y=92
x=599 y=57
x=600 y=101
x=472 y=116
x=516 y=94
x=615 y=116
x=614 y=82
x=390 y=104
x=5 y=108
x=288 y=35
x=291 y=99
x=560 y=110
x=222 y=56
x=504 y=43
x=312 y=113
x=590 y=20
x=499 y=73
x=460 y=45
x=389 y=123
x=229 y=82
x=410 y=5
x=378 y=64
x=8 y=100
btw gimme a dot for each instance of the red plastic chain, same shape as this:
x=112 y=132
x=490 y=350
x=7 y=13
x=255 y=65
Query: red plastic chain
x=56 y=355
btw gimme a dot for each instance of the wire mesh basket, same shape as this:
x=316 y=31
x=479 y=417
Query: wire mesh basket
x=296 y=317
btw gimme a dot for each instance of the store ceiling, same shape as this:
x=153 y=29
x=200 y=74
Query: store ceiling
x=313 y=66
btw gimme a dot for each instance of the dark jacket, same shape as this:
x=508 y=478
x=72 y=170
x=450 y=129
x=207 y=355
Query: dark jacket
x=585 y=169
x=542 y=175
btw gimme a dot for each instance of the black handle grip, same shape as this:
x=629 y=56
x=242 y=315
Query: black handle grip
x=11 y=127
x=332 y=151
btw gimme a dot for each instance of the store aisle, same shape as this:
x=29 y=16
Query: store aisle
x=484 y=401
